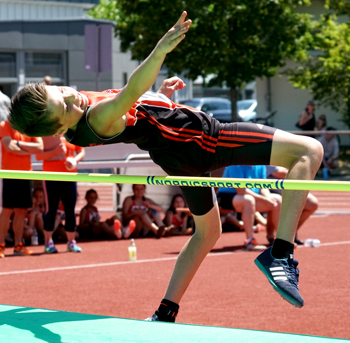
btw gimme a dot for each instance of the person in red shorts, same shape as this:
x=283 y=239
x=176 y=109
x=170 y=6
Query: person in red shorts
x=91 y=226
x=177 y=222
x=182 y=141
x=144 y=212
x=16 y=150
x=60 y=156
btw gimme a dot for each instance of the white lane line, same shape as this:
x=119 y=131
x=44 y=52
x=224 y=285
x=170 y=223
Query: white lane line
x=101 y=264
x=138 y=261
x=328 y=212
x=85 y=266
x=334 y=243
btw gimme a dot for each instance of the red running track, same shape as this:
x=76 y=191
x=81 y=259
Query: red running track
x=228 y=289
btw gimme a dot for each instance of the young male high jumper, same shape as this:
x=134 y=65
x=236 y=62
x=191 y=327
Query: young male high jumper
x=182 y=141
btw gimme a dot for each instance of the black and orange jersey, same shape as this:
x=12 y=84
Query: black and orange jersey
x=151 y=123
x=178 y=137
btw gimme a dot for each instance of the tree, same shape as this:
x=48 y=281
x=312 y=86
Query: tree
x=326 y=70
x=339 y=6
x=235 y=40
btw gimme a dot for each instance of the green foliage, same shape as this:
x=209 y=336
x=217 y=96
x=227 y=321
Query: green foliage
x=339 y=6
x=326 y=71
x=236 y=40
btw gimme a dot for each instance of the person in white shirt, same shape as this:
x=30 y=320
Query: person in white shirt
x=331 y=150
x=5 y=102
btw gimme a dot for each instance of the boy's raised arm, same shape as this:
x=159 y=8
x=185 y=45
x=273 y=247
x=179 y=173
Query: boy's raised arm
x=141 y=79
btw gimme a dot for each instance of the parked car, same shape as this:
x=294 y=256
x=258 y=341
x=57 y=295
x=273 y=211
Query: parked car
x=246 y=109
x=220 y=108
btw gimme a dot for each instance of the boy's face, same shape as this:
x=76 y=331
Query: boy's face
x=67 y=105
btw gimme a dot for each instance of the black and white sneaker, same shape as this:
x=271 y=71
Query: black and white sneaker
x=153 y=318
x=283 y=275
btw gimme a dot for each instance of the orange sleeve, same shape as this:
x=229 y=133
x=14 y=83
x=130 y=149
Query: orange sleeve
x=5 y=130
x=78 y=149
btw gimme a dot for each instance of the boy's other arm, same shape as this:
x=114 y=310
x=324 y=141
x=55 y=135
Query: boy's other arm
x=169 y=86
x=106 y=117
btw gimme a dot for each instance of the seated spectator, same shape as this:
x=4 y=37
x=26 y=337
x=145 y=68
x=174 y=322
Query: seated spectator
x=177 y=217
x=249 y=201
x=331 y=150
x=230 y=219
x=144 y=211
x=311 y=204
x=321 y=125
x=34 y=222
x=90 y=225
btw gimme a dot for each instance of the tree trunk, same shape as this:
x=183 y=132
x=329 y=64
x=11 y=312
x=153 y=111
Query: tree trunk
x=234 y=98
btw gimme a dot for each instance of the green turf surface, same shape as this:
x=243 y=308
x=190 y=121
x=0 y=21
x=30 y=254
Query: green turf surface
x=25 y=324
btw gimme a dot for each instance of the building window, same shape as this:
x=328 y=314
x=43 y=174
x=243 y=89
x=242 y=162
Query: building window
x=7 y=64
x=125 y=78
x=39 y=64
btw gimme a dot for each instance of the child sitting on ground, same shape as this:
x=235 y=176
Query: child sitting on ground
x=34 y=222
x=177 y=217
x=90 y=225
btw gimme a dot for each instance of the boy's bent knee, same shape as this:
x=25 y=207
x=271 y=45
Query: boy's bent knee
x=208 y=226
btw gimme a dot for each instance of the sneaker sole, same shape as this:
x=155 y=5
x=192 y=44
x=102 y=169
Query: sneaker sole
x=284 y=296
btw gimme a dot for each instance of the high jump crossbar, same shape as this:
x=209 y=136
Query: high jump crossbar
x=181 y=180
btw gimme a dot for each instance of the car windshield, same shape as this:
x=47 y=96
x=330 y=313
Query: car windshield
x=192 y=103
x=244 y=105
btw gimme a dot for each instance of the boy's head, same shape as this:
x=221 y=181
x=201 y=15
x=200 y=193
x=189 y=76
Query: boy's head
x=30 y=113
x=38 y=110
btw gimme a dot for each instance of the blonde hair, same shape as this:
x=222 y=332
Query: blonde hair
x=29 y=112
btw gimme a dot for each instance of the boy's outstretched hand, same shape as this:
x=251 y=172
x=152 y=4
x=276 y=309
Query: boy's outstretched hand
x=175 y=35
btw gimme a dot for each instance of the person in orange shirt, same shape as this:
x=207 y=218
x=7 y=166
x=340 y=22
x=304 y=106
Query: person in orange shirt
x=60 y=156
x=16 y=149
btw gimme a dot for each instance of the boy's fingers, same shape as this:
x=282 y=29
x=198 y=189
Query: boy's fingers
x=179 y=31
x=181 y=19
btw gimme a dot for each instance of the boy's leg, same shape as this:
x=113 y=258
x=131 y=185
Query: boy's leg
x=273 y=214
x=208 y=230
x=310 y=207
x=302 y=156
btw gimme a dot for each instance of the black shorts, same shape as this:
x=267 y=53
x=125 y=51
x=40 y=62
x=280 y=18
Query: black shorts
x=225 y=200
x=17 y=193
x=201 y=200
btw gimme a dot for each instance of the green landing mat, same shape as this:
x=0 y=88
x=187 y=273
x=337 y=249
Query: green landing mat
x=25 y=324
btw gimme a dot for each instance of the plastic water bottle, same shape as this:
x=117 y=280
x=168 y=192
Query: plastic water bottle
x=132 y=250
x=312 y=242
x=325 y=173
x=34 y=238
